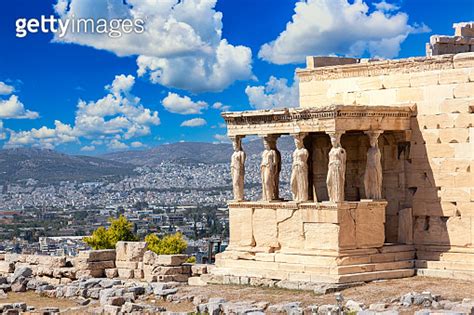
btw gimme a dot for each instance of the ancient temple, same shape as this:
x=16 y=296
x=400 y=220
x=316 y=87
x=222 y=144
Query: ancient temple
x=381 y=174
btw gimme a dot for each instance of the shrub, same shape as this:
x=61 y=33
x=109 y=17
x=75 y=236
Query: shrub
x=168 y=245
x=191 y=260
x=120 y=230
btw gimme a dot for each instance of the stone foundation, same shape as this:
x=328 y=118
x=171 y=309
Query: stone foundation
x=311 y=243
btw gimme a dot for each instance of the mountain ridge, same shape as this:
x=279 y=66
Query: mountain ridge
x=191 y=152
x=44 y=165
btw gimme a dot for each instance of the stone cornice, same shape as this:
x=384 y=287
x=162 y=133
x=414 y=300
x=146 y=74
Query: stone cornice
x=305 y=205
x=319 y=119
x=386 y=67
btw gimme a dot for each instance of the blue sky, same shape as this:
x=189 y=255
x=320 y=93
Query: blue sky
x=45 y=77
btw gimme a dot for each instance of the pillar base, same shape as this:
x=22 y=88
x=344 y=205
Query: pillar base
x=312 y=243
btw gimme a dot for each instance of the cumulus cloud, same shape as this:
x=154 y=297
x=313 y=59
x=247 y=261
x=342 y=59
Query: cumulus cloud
x=3 y=134
x=221 y=138
x=114 y=118
x=328 y=27
x=221 y=107
x=137 y=144
x=115 y=144
x=181 y=47
x=183 y=105
x=195 y=122
x=88 y=148
x=385 y=6
x=6 y=89
x=13 y=108
x=276 y=93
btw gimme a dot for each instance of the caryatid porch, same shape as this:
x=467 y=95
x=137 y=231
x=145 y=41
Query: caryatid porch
x=327 y=233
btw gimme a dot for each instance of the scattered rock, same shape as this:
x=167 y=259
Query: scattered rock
x=24 y=272
x=354 y=306
x=378 y=307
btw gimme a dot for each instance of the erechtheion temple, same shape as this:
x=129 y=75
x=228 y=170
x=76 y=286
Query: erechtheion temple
x=381 y=177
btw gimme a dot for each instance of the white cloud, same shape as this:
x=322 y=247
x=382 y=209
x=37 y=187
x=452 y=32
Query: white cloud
x=221 y=107
x=6 y=89
x=275 y=94
x=181 y=47
x=137 y=144
x=116 y=117
x=195 y=122
x=385 y=6
x=13 y=108
x=328 y=27
x=88 y=148
x=3 y=134
x=115 y=144
x=202 y=72
x=183 y=105
x=221 y=138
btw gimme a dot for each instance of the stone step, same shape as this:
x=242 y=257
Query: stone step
x=444 y=256
x=452 y=274
x=444 y=249
x=375 y=258
x=343 y=270
x=446 y=265
x=376 y=275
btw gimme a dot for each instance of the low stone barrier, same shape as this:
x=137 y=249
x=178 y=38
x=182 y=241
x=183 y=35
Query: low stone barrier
x=94 y=263
x=129 y=260
x=165 y=268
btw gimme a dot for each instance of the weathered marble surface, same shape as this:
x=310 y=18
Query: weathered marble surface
x=373 y=168
x=299 y=171
x=337 y=170
x=237 y=169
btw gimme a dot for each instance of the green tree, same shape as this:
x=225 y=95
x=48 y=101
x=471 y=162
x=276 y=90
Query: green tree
x=100 y=239
x=168 y=245
x=120 y=230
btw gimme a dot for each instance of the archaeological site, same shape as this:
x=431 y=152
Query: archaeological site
x=382 y=190
x=381 y=178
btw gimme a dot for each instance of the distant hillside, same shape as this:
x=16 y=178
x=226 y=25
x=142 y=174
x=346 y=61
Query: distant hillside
x=192 y=152
x=51 y=166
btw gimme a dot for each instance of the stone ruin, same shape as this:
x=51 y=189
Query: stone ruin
x=117 y=280
x=130 y=260
x=381 y=179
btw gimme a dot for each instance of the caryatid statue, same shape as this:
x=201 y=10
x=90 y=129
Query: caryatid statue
x=237 y=169
x=270 y=169
x=373 y=169
x=299 y=170
x=336 y=169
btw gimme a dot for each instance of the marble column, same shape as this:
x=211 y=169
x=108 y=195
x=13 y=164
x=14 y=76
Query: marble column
x=337 y=168
x=270 y=168
x=373 y=168
x=299 y=170
x=237 y=168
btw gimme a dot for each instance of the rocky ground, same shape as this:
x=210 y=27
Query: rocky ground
x=21 y=292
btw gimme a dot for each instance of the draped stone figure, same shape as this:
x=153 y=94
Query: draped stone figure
x=276 y=187
x=336 y=170
x=270 y=170
x=373 y=169
x=237 y=169
x=299 y=171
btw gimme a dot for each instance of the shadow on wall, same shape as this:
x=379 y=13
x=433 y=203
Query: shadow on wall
x=433 y=220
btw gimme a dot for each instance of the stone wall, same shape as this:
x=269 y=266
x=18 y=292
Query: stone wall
x=306 y=227
x=130 y=260
x=437 y=162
